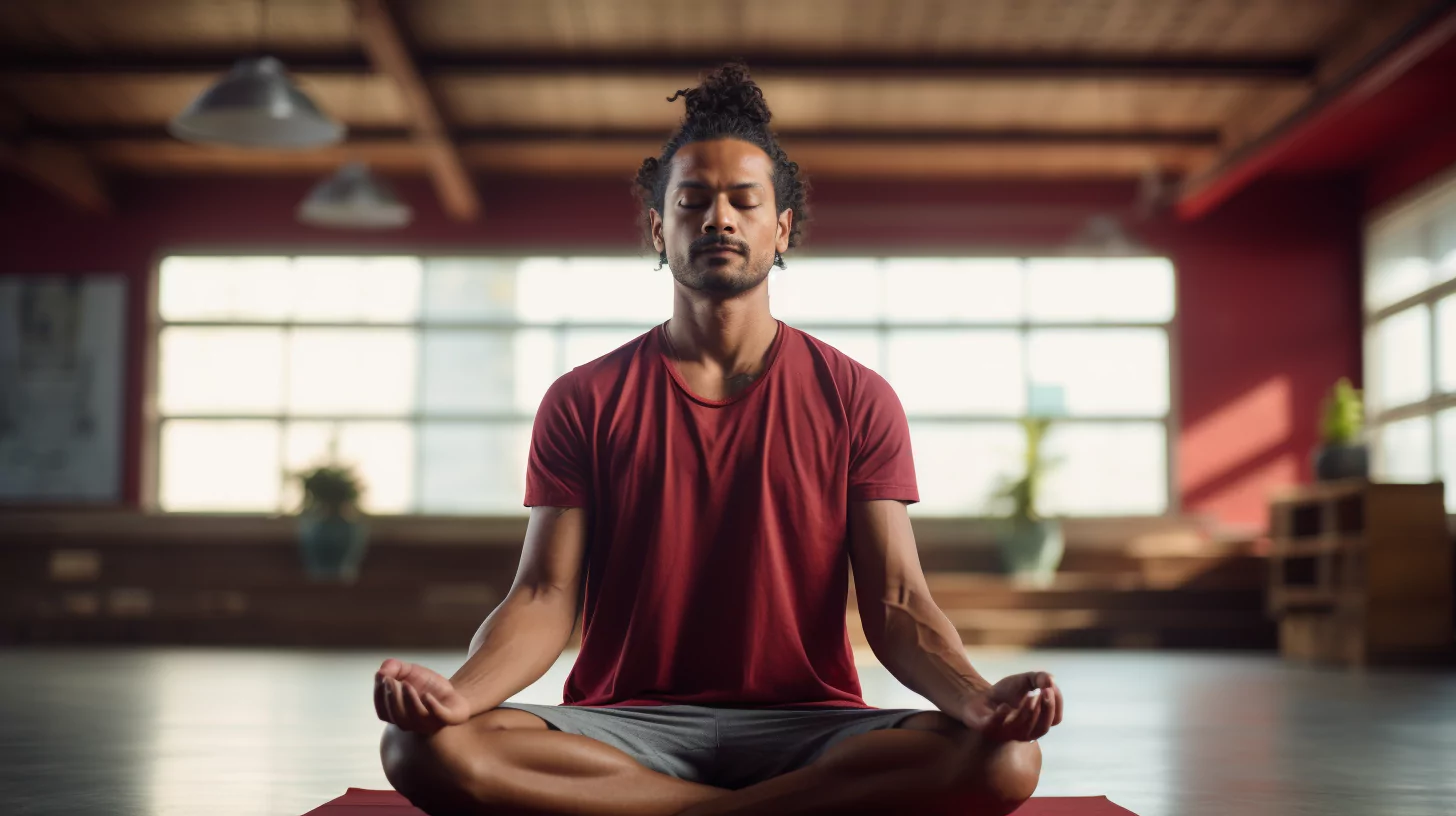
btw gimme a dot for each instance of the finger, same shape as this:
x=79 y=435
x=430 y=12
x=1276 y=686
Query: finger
x=379 y=706
x=1061 y=706
x=1031 y=704
x=415 y=704
x=390 y=667
x=434 y=706
x=395 y=698
x=1044 y=716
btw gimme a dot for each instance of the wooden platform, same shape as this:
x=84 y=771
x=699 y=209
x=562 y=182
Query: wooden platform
x=429 y=583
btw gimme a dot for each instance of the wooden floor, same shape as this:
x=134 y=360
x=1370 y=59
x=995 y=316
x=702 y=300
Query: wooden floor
x=224 y=732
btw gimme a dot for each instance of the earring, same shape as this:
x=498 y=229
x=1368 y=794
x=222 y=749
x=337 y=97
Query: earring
x=779 y=260
x=662 y=259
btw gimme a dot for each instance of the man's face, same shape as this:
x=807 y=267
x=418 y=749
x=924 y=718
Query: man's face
x=719 y=225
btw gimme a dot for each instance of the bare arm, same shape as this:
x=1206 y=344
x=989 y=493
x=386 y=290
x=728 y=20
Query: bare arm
x=919 y=645
x=528 y=630
x=910 y=635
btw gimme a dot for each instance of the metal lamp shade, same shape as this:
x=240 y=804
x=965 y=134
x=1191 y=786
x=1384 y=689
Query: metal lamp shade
x=255 y=105
x=353 y=198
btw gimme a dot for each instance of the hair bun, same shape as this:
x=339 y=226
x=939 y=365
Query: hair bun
x=728 y=91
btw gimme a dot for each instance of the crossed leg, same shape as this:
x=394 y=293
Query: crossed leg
x=507 y=761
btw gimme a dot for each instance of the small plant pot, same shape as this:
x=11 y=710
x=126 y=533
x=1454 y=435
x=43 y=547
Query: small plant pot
x=332 y=545
x=1335 y=462
x=1032 y=551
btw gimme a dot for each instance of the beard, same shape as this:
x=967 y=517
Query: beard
x=722 y=275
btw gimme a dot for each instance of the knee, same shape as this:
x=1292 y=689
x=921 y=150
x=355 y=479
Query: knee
x=998 y=779
x=430 y=770
x=409 y=759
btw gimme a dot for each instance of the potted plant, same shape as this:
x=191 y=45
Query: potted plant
x=332 y=533
x=1031 y=545
x=1342 y=453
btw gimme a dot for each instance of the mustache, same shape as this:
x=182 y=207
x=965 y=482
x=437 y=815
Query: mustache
x=717 y=240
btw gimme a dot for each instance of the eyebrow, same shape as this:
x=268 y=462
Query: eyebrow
x=698 y=185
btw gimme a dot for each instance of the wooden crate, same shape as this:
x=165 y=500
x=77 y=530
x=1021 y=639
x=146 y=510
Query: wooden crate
x=1361 y=572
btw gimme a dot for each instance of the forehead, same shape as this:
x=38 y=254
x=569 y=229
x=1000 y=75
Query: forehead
x=721 y=162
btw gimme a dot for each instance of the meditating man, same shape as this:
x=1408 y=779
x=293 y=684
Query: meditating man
x=701 y=494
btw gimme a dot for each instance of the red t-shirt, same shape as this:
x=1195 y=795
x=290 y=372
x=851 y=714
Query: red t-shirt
x=717 y=567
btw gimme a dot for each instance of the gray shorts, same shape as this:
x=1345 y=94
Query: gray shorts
x=724 y=747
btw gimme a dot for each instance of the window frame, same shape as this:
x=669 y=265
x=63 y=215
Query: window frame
x=1420 y=204
x=153 y=418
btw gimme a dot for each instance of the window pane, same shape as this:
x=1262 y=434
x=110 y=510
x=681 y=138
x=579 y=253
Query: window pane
x=1402 y=355
x=585 y=345
x=1446 y=340
x=943 y=290
x=199 y=288
x=462 y=289
x=538 y=364
x=352 y=371
x=1106 y=469
x=224 y=466
x=220 y=371
x=1443 y=239
x=616 y=290
x=382 y=454
x=1404 y=451
x=540 y=284
x=827 y=290
x=468 y=371
x=1396 y=265
x=1127 y=290
x=1102 y=372
x=368 y=289
x=473 y=468
x=957 y=372
x=862 y=345
x=1446 y=432
x=958 y=466
x=306 y=445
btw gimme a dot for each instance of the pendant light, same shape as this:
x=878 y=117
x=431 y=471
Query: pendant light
x=354 y=198
x=255 y=105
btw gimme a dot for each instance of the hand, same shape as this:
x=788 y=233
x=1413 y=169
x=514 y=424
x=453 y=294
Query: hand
x=416 y=698
x=1022 y=707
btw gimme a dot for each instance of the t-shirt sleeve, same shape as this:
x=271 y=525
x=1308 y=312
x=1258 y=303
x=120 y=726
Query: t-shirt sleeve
x=559 y=463
x=880 y=462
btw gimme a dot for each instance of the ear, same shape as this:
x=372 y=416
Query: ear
x=786 y=228
x=654 y=226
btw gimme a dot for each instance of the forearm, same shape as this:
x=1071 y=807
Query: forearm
x=919 y=645
x=515 y=646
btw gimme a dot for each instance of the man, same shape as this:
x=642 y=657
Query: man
x=702 y=492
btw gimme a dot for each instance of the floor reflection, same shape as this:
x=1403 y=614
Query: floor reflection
x=157 y=732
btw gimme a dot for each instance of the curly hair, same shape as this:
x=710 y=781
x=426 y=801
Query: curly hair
x=727 y=105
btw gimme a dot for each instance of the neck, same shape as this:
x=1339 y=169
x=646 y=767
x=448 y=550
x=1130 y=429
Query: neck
x=732 y=334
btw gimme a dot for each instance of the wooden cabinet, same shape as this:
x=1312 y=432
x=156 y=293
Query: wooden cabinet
x=1361 y=572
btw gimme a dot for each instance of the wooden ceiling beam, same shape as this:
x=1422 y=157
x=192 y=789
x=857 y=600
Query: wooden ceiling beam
x=885 y=157
x=1382 y=45
x=483 y=135
x=60 y=168
x=1251 y=68
x=383 y=39
x=57 y=165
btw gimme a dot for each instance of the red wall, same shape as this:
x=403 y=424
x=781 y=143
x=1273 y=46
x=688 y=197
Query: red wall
x=1267 y=299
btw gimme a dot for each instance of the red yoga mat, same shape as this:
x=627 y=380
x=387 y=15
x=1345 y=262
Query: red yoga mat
x=361 y=802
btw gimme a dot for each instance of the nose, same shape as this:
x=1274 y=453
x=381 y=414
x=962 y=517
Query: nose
x=719 y=218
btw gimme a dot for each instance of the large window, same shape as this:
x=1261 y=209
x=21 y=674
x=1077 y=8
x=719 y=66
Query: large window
x=426 y=372
x=1410 y=338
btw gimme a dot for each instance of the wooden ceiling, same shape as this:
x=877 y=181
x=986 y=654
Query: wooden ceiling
x=859 y=88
